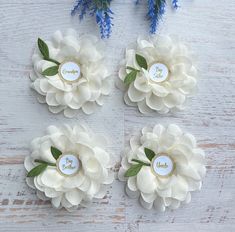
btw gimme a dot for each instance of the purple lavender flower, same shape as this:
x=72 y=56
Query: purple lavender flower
x=156 y=10
x=175 y=4
x=98 y=8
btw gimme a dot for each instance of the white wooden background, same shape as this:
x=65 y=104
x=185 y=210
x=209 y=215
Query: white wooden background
x=208 y=27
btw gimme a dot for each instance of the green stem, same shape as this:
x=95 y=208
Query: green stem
x=44 y=162
x=140 y=162
x=52 y=60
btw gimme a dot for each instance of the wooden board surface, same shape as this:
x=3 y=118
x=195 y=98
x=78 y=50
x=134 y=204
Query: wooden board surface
x=208 y=27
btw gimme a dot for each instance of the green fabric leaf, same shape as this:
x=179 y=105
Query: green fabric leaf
x=43 y=48
x=44 y=162
x=133 y=170
x=140 y=162
x=141 y=61
x=37 y=170
x=132 y=69
x=130 y=77
x=52 y=71
x=149 y=153
x=55 y=152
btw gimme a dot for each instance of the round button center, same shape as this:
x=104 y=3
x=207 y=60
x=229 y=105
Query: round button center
x=68 y=164
x=158 y=72
x=162 y=165
x=69 y=71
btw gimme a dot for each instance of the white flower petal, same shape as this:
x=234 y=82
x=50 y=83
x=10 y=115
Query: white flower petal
x=164 y=191
x=145 y=204
x=143 y=107
x=130 y=193
x=74 y=196
x=146 y=180
x=56 y=201
x=154 y=102
x=134 y=94
x=51 y=178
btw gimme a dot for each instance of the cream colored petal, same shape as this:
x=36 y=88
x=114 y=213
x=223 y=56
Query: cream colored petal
x=93 y=189
x=57 y=37
x=44 y=85
x=149 y=198
x=51 y=178
x=121 y=174
x=145 y=205
x=74 y=181
x=134 y=142
x=188 y=171
x=51 y=99
x=102 y=192
x=56 y=109
x=173 y=99
x=106 y=87
x=70 y=113
x=131 y=183
x=159 y=90
x=134 y=94
x=188 y=85
x=130 y=58
x=159 y=205
x=85 y=185
x=56 y=201
x=45 y=151
x=89 y=107
x=146 y=180
x=42 y=196
x=189 y=140
x=102 y=156
x=128 y=101
x=174 y=204
x=130 y=193
x=154 y=102
x=144 y=108
x=28 y=164
x=143 y=43
x=74 y=196
x=180 y=189
x=50 y=192
x=166 y=142
x=141 y=84
x=164 y=192
x=110 y=178
x=174 y=130
x=188 y=198
x=158 y=130
x=92 y=168
x=30 y=183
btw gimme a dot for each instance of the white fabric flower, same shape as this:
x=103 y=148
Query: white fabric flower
x=169 y=78
x=90 y=88
x=90 y=180
x=167 y=184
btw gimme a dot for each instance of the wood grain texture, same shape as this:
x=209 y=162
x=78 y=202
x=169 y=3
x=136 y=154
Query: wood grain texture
x=208 y=27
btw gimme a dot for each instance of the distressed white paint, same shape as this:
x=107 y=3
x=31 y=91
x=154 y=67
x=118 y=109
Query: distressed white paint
x=208 y=27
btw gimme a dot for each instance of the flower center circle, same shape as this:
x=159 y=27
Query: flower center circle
x=68 y=164
x=69 y=71
x=162 y=165
x=158 y=72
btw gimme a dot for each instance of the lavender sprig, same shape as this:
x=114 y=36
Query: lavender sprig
x=98 y=8
x=156 y=10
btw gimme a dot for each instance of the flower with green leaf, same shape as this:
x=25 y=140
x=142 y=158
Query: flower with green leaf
x=131 y=76
x=53 y=64
x=157 y=75
x=69 y=166
x=44 y=164
x=162 y=167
